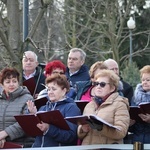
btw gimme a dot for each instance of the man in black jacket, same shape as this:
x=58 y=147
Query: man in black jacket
x=127 y=88
x=31 y=69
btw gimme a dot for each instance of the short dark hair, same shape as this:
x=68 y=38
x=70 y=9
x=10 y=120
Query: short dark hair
x=8 y=73
x=60 y=80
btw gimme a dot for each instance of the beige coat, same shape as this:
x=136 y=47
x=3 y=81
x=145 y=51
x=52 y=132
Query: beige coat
x=114 y=110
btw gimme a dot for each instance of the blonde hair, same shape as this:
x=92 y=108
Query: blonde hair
x=97 y=65
x=145 y=69
x=113 y=78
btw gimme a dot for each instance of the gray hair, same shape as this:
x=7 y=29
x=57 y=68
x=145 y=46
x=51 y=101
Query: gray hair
x=31 y=52
x=83 y=54
x=110 y=60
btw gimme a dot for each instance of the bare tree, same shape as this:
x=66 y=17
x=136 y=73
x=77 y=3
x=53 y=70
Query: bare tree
x=97 y=26
x=100 y=27
x=12 y=46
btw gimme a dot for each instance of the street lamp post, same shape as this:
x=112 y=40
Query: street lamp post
x=25 y=18
x=131 y=25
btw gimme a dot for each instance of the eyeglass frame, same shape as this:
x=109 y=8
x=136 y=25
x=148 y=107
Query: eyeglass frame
x=102 y=84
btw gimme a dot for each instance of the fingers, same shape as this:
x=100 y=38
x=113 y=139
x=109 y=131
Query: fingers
x=39 y=126
x=2 y=143
x=30 y=103
x=43 y=126
x=86 y=128
x=145 y=118
x=31 y=107
x=132 y=122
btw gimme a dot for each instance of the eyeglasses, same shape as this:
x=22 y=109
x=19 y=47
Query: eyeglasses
x=56 y=72
x=102 y=84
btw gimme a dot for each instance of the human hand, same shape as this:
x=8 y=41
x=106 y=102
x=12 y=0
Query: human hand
x=132 y=122
x=2 y=143
x=43 y=126
x=3 y=135
x=36 y=96
x=31 y=107
x=86 y=128
x=145 y=117
x=95 y=125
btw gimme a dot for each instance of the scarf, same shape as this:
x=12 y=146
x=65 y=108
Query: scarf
x=140 y=95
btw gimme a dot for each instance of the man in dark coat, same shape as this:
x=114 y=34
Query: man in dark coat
x=127 y=88
x=31 y=69
x=76 y=69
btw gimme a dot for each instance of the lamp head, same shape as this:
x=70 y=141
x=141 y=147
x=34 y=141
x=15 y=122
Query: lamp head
x=131 y=23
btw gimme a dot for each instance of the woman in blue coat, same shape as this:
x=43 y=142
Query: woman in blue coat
x=57 y=86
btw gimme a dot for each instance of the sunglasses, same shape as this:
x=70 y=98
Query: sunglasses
x=102 y=84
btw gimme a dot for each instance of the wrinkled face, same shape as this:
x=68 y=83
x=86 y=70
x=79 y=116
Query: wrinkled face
x=55 y=92
x=10 y=85
x=114 y=67
x=146 y=81
x=74 y=61
x=29 y=62
x=102 y=87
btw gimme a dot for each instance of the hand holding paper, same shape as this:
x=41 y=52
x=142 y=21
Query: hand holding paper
x=95 y=125
x=94 y=121
x=143 y=108
x=43 y=126
x=86 y=128
x=29 y=122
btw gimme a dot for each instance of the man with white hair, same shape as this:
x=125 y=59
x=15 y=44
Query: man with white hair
x=31 y=69
x=127 y=89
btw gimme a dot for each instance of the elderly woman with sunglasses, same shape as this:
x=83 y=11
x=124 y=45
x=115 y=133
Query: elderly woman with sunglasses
x=85 y=89
x=111 y=107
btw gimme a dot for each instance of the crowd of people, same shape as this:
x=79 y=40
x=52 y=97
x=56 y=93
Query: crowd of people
x=109 y=98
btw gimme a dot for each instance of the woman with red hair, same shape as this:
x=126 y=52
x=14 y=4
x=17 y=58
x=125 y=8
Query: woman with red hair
x=56 y=67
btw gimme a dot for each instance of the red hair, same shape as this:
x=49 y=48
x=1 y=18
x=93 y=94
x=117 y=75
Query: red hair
x=53 y=65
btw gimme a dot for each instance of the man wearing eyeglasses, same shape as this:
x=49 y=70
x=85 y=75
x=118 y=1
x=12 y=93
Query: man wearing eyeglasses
x=127 y=89
x=76 y=69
